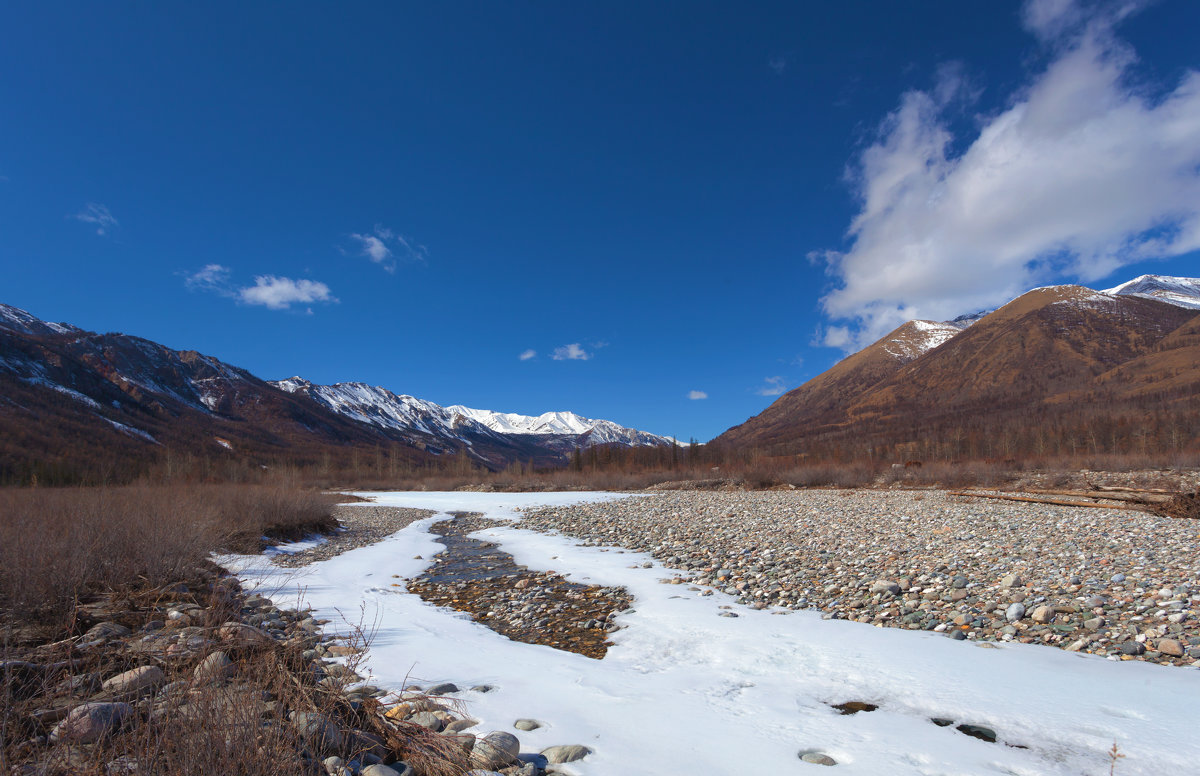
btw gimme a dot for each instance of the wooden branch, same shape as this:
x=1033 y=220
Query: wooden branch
x=1134 y=497
x=1054 y=501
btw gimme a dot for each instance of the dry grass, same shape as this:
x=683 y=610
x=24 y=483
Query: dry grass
x=60 y=546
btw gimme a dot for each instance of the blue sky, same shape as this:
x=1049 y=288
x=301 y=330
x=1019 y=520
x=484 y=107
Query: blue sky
x=650 y=202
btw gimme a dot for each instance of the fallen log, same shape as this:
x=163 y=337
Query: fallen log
x=1135 y=497
x=1053 y=501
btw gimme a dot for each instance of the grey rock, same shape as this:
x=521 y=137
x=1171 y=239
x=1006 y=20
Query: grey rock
x=138 y=679
x=399 y=768
x=527 y=724
x=495 y=750
x=1014 y=612
x=217 y=667
x=427 y=720
x=321 y=733
x=91 y=722
x=566 y=753
x=818 y=758
x=443 y=689
x=885 y=586
x=106 y=630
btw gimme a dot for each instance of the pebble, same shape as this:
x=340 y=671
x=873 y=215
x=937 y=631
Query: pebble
x=1013 y=571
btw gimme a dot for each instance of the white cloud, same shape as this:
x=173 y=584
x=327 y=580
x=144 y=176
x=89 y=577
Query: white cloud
x=213 y=277
x=94 y=213
x=695 y=395
x=270 y=291
x=1083 y=172
x=279 y=293
x=772 y=386
x=384 y=246
x=777 y=65
x=527 y=354
x=572 y=352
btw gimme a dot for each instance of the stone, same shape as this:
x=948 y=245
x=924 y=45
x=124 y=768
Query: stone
x=565 y=753
x=1014 y=612
x=106 y=630
x=885 y=586
x=818 y=758
x=459 y=725
x=1170 y=647
x=136 y=680
x=247 y=634
x=321 y=733
x=1010 y=580
x=398 y=768
x=495 y=750
x=427 y=720
x=978 y=731
x=443 y=689
x=527 y=724
x=91 y=722
x=1042 y=614
x=217 y=667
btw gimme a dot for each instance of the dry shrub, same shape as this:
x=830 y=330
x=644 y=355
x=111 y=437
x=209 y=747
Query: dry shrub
x=58 y=546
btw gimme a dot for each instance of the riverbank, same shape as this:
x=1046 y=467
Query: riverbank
x=1122 y=584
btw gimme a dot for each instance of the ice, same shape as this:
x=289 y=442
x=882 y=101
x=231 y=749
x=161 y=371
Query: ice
x=687 y=691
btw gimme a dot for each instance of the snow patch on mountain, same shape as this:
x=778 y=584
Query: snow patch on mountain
x=917 y=337
x=16 y=319
x=131 y=431
x=1182 y=292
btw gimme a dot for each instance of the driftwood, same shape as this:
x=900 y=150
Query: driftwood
x=1135 y=497
x=1054 y=501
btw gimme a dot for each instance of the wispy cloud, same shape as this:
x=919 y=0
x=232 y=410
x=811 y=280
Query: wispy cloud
x=98 y=215
x=697 y=395
x=385 y=247
x=270 y=291
x=772 y=386
x=572 y=352
x=527 y=354
x=1085 y=170
x=777 y=64
x=212 y=277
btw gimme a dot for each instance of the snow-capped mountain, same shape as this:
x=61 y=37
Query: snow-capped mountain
x=1184 y=292
x=382 y=408
x=596 y=432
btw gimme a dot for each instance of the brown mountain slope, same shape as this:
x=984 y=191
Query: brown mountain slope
x=1050 y=362
x=825 y=400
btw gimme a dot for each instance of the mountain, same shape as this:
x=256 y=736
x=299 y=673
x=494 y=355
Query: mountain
x=587 y=432
x=79 y=405
x=826 y=400
x=1052 y=371
x=1184 y=292
x=556 y=432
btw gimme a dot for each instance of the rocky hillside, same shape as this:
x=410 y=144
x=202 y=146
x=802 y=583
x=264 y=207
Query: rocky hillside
x=78 y=405
x=1052 y=371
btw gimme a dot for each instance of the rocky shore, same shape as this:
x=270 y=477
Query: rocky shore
x=1122 y=584
x=361 y=524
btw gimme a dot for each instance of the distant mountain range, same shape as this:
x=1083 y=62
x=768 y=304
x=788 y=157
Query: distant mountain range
x=1061 y=369
x=72 y=400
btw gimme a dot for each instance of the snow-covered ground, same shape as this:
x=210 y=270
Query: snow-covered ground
x=687 y=691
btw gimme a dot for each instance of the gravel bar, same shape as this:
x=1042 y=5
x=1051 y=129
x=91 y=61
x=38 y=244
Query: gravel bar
x=1116 y=583
x=362 y=524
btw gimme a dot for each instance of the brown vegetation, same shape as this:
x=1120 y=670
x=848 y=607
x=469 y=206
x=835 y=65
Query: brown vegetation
x=60 y=546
